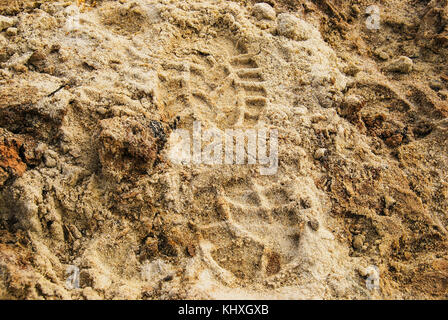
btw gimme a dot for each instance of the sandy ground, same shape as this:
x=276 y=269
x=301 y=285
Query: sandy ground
x=92 y=94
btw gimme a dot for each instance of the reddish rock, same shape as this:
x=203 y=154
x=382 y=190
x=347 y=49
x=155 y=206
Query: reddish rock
x=11 y=164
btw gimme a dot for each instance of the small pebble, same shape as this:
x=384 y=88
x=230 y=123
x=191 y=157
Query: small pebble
x=354 y=102
x=314 y=224
x=50 y=159
x=436 y=85
x=75 y=152
x=381 y=54
x=291 y=27
x=11 y=31
x=358 y=242
x=352 y=70
x=101 y=110
x=75 y=232
x=263 y=11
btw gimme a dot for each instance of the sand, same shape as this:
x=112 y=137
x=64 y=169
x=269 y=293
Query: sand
x=92 y=96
